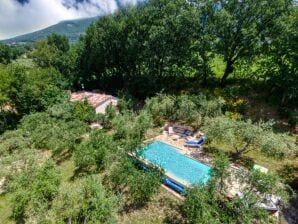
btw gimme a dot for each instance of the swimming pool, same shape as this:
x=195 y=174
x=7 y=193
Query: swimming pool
x=176 y=165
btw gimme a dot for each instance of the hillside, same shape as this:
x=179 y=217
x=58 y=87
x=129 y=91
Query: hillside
x=70 y=28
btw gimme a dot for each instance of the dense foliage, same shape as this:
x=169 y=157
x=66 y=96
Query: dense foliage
x=163 y=60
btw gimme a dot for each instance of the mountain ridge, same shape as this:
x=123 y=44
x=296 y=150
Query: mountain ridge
x=70 y=28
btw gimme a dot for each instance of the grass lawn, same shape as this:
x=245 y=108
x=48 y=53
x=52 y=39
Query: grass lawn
x=161 y=209
x=5 y=209
x=273 y=164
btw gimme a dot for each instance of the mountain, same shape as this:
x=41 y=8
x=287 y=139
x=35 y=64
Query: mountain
x=70 y=28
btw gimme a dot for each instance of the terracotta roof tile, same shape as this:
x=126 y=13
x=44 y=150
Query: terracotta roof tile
x=95 y=99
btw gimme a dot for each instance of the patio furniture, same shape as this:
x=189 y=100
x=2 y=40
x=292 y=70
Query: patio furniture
x=198 y=143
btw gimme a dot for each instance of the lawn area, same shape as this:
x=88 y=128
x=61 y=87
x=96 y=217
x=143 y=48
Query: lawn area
x=274 y=165
x=5 y=209
x=161 y=209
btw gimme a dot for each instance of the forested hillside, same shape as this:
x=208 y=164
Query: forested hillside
x=226 y=68
x=72 y=29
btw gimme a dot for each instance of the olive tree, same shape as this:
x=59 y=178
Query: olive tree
x=220 y=171
x=94 y=152
x=33 y=193
x=84 y=202
x=245 y=136
x=130 y=129
x=139 y=186
x=199 y=207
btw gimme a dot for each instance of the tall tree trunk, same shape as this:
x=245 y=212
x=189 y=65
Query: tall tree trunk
x=229 y=69
x=205 y=68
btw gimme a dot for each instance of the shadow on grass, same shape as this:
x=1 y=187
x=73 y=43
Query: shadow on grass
x=80 y=172
x=290 y=211
x=175 y=216
x=62 y=157
x=234 y=157
x=290 y=173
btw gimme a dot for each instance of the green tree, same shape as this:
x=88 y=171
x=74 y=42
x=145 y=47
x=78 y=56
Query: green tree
x=137 y=48
x=139 y=186
x=33 y=193
x=143 y=186
x=243 y=27
x=281 y=67
x=244 y=210
x=220 y=171
x=5 y=87
x=245 y=136
x=202 y=14
x=45 y=55
x=86 y=202
x=200 y=208
x=48 y=133
x=94 y=152
x=35 y=89
x=59 y=41
x=5 y=54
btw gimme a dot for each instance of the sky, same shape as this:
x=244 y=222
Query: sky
x=24 y=16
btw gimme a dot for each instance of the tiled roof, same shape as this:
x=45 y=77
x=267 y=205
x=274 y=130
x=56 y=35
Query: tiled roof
x=95 y=99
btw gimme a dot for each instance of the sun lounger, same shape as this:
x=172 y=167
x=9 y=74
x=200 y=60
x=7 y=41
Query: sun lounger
x=195 y=143
x=171 y=131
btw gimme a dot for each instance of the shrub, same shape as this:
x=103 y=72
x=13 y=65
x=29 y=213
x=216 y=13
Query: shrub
x=83 y=111
x=293 y=119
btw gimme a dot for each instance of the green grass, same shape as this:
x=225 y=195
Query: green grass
x=161 y=209
x=5 y=209
x=273 y=164
x=66 y=169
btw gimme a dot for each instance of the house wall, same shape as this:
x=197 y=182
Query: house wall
x=102 y=108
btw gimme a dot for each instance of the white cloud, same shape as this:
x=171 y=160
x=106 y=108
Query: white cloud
x=17 y=19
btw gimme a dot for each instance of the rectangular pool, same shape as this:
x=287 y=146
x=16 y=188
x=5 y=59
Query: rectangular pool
x=176 y=165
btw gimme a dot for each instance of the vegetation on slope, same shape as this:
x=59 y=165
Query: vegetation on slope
x=159 y=59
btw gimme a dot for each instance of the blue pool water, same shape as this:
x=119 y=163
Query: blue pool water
x=176 y=164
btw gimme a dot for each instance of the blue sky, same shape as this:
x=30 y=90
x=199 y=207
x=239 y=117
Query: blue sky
x=23 y=16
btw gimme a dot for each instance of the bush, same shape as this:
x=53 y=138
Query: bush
x=293 y=119
x=83 y=111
